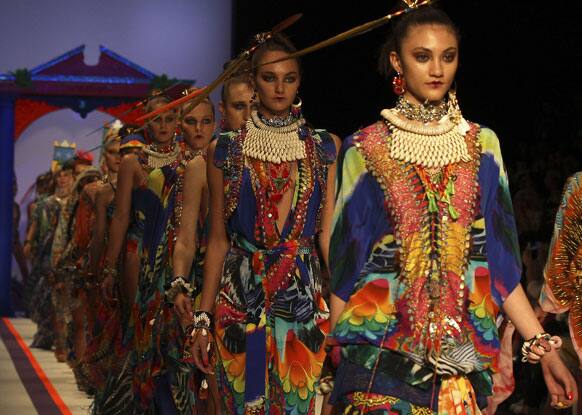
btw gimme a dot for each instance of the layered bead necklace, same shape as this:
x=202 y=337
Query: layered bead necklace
x=275 y=141
x=431 y=146
x=273 y=144
x=160 y=155
x=425 y=113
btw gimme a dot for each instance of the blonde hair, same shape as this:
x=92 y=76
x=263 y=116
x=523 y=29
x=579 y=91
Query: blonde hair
x=189 y=106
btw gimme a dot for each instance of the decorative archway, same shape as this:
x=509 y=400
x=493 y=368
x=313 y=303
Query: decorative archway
x=113 y=86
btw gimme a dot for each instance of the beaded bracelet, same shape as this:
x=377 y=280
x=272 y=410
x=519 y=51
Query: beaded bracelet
x=107 y=270
x=202 y=323
x=178 y=285
x=541 y=341
x=203 y=319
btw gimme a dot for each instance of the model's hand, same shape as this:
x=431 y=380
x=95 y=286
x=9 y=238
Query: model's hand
x=107 y=287
x=201 y=346
x=560 y=382
x=183 y=308
x=326 y=408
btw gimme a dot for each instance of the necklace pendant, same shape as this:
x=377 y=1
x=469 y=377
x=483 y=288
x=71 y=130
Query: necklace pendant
x=434 y=289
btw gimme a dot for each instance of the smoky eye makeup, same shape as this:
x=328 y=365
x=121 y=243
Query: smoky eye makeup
x=421 y=57
x=268 y=77
x=450 y=55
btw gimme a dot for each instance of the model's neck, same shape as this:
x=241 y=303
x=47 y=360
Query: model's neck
x=112 y=177
x=267 y=113
x=62 y=191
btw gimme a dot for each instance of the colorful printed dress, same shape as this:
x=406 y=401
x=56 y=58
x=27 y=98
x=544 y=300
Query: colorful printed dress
x=424 y=274
x=107 y=364
x=45 y=215
x=270 y=317
x=563 y=270
x=106 y=352
x=158 y=337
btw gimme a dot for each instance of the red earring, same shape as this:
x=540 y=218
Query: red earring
x=398 y=84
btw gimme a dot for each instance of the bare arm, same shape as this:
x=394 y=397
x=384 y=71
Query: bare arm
x=194 y=185
x=519 y=311
x=218 y=246
x=99 y=228
x=128 y=171
x=559 y=380
x=218 y=243
x=30 y=242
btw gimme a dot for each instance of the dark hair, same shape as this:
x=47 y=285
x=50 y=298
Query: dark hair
x=241 y=76
x=278 y=42
x=422 y=16
x=67 y=165
x=46 y=182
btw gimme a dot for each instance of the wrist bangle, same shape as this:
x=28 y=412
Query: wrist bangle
x=202 y=323
x=108 y=270
x=203 y=319
x=534 y=349
x=178 y=285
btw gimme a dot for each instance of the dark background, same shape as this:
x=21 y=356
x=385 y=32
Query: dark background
x=520 y=74
x=520 y=65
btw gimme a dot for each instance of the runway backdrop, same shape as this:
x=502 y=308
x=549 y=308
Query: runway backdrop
x=185 y=39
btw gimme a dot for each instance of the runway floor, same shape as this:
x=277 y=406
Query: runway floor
x=31 y=380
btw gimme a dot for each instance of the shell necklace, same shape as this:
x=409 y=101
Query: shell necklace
x=273 y=144
x=429 y=145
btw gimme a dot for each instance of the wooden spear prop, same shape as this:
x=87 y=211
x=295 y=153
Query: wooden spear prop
x=199 y=95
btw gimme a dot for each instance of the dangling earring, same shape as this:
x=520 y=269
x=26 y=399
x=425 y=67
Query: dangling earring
x=296 y=107
x=398 y=84
x=254 y=97
x=453 y=106
x=222 y=124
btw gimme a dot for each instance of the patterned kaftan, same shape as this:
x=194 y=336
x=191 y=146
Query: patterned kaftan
x=45 y=215
x=158 y=337
x=423 y=289
x=271 y=319
x=107 y=362
x=106 y=352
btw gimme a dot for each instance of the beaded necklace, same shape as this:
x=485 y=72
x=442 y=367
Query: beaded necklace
x=431 y=146
x=275 y=144
x=426 y=112
x=161 y=155
x=278 y=122
x=189 y=154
